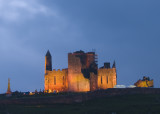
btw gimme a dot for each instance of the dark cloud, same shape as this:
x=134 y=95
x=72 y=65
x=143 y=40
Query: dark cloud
x=125 y=31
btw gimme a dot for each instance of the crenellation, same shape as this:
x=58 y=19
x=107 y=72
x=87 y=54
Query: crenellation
x=59 y=69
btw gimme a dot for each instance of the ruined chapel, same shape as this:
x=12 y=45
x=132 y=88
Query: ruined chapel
x=82 y=74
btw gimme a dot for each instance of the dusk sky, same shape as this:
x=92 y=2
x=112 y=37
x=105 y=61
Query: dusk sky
x=127 y=31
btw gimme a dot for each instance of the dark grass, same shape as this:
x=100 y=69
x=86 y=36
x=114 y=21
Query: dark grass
x=126 y=104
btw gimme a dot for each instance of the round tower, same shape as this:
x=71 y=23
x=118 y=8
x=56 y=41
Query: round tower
x=48 y=62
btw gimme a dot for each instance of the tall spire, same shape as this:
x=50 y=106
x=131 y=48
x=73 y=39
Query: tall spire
x=48 y=62
x=8 y=89
x=114 y=64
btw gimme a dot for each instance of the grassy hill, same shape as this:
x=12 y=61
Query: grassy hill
x=121 y=104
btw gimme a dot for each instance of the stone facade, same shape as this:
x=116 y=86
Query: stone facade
x=56 y=80
x=107 y=78
x=82 y=74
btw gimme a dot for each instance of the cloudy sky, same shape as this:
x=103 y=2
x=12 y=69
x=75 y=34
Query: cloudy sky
x=121 y=30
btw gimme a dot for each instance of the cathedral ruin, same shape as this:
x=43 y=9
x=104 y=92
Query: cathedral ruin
x=82 y=74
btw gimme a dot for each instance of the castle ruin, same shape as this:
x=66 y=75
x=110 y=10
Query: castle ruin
x=82 y=74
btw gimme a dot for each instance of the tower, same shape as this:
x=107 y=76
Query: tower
x=8 y=89
x=82 y=71
x=48 y=61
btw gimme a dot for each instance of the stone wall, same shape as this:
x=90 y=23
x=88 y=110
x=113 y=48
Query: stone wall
x=56 y=80
x=145 y=83
x=93 y=82
x=76 y=80
x=107 y=78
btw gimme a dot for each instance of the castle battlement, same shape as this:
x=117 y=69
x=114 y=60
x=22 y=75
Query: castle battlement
x=59 y=70
x=82 y=52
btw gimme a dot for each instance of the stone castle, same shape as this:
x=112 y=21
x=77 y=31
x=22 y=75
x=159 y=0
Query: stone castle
x=82 y=74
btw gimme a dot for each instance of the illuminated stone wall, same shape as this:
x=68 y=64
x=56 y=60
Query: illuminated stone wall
x=76 y=80
x=56 y=80
x=93 y=82
x=107 y=78
x=145 y=83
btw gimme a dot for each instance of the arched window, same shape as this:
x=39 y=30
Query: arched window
x=63 y=80
x=101 y=79
x=54 y=80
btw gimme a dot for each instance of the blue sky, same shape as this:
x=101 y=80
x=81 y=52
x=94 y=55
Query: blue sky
x=121 y=30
